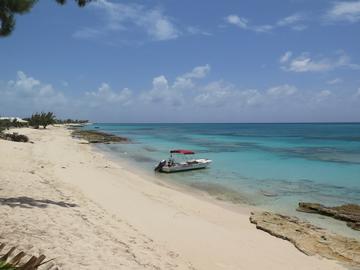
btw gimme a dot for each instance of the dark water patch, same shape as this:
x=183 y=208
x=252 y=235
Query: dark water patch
x=307 y=188
x=142 y=159
x=335 y=138
x=285 y=136
x=326 y=154
x=224 y=147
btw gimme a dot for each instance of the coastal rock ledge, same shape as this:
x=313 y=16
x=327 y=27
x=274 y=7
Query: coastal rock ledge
x=309 y=239
x=93 y=136
x=347 y=212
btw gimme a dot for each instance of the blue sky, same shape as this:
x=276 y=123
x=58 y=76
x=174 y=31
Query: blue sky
x=185 y=61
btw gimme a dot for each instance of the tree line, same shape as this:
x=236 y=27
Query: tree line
x=38 y=120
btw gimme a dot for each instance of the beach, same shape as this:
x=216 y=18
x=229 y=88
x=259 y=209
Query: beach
x=62 y=198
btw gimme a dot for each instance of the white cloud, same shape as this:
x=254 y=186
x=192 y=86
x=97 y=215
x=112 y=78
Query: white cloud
x=193 y=30
x=126 y=17
x=220 y=93
x=161 y=83
x=238 y=21
x=306 y=63
x=285 y=57
x=334 y=81
x=198 y=72
x=324 y=93
x=282 y=90
x=344 y=11
x=321 y=96
x=251 y=97
x=24 y=83
x=27 y=87
x=104 y=94
x=263 y=28
x=215 y=94
x=26 y=94
x=292 y=21
x=186 y=80
x=163 y=92
x=159 y=27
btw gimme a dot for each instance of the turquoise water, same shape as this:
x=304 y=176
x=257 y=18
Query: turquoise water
x=268 y=165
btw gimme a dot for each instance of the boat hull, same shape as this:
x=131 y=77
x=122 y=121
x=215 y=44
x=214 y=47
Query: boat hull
x=182 y=168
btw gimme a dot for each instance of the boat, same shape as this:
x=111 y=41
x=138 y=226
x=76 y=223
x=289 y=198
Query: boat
x=174 y=165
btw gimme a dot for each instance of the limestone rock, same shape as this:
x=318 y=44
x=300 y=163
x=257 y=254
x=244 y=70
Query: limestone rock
x=93 y=136
x=347 y=212
x=309 y=239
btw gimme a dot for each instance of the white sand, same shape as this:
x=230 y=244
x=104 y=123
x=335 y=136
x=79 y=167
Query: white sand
x=121 y=220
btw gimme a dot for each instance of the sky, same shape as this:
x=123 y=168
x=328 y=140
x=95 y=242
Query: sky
x=185 y=61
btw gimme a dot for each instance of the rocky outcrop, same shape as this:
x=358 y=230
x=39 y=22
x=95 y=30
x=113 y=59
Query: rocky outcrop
x=15 y=137
x=308 y=238
x=347 y=212
x=93 y=136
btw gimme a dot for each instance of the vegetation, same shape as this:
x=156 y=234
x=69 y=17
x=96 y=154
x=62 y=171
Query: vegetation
x=6 y=124
x=42 y=119
x=9 y=8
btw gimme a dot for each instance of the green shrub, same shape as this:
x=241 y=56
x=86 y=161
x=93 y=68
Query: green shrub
x=42 y=119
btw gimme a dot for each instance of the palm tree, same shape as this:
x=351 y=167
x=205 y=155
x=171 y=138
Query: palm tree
x=47 y=119
x=9 y=8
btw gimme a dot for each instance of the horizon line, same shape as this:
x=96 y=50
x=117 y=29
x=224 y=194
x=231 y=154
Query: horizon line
x=328 y=122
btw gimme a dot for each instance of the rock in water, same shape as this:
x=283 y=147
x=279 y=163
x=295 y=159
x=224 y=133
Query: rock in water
x=347 y=212
x=309 y=239
x=93 y=136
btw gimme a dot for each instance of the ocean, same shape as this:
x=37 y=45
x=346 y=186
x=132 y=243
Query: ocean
x=272 y=166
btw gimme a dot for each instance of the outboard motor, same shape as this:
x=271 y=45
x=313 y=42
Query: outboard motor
x=160 y=165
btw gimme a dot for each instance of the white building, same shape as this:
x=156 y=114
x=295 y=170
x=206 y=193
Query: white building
x=18 y=119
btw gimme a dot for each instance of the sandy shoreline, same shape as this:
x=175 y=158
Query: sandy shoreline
x=60 y=197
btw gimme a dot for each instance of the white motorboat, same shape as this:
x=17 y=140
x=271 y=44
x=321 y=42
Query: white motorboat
x=173 y=165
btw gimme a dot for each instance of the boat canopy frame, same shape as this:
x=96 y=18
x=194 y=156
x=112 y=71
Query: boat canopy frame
x=182 y=151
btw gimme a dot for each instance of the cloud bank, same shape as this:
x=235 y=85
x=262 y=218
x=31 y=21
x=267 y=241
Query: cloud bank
x=189 y=98
x=348 y=11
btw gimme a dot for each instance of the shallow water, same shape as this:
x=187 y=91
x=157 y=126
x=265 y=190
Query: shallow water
x=273 y=166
